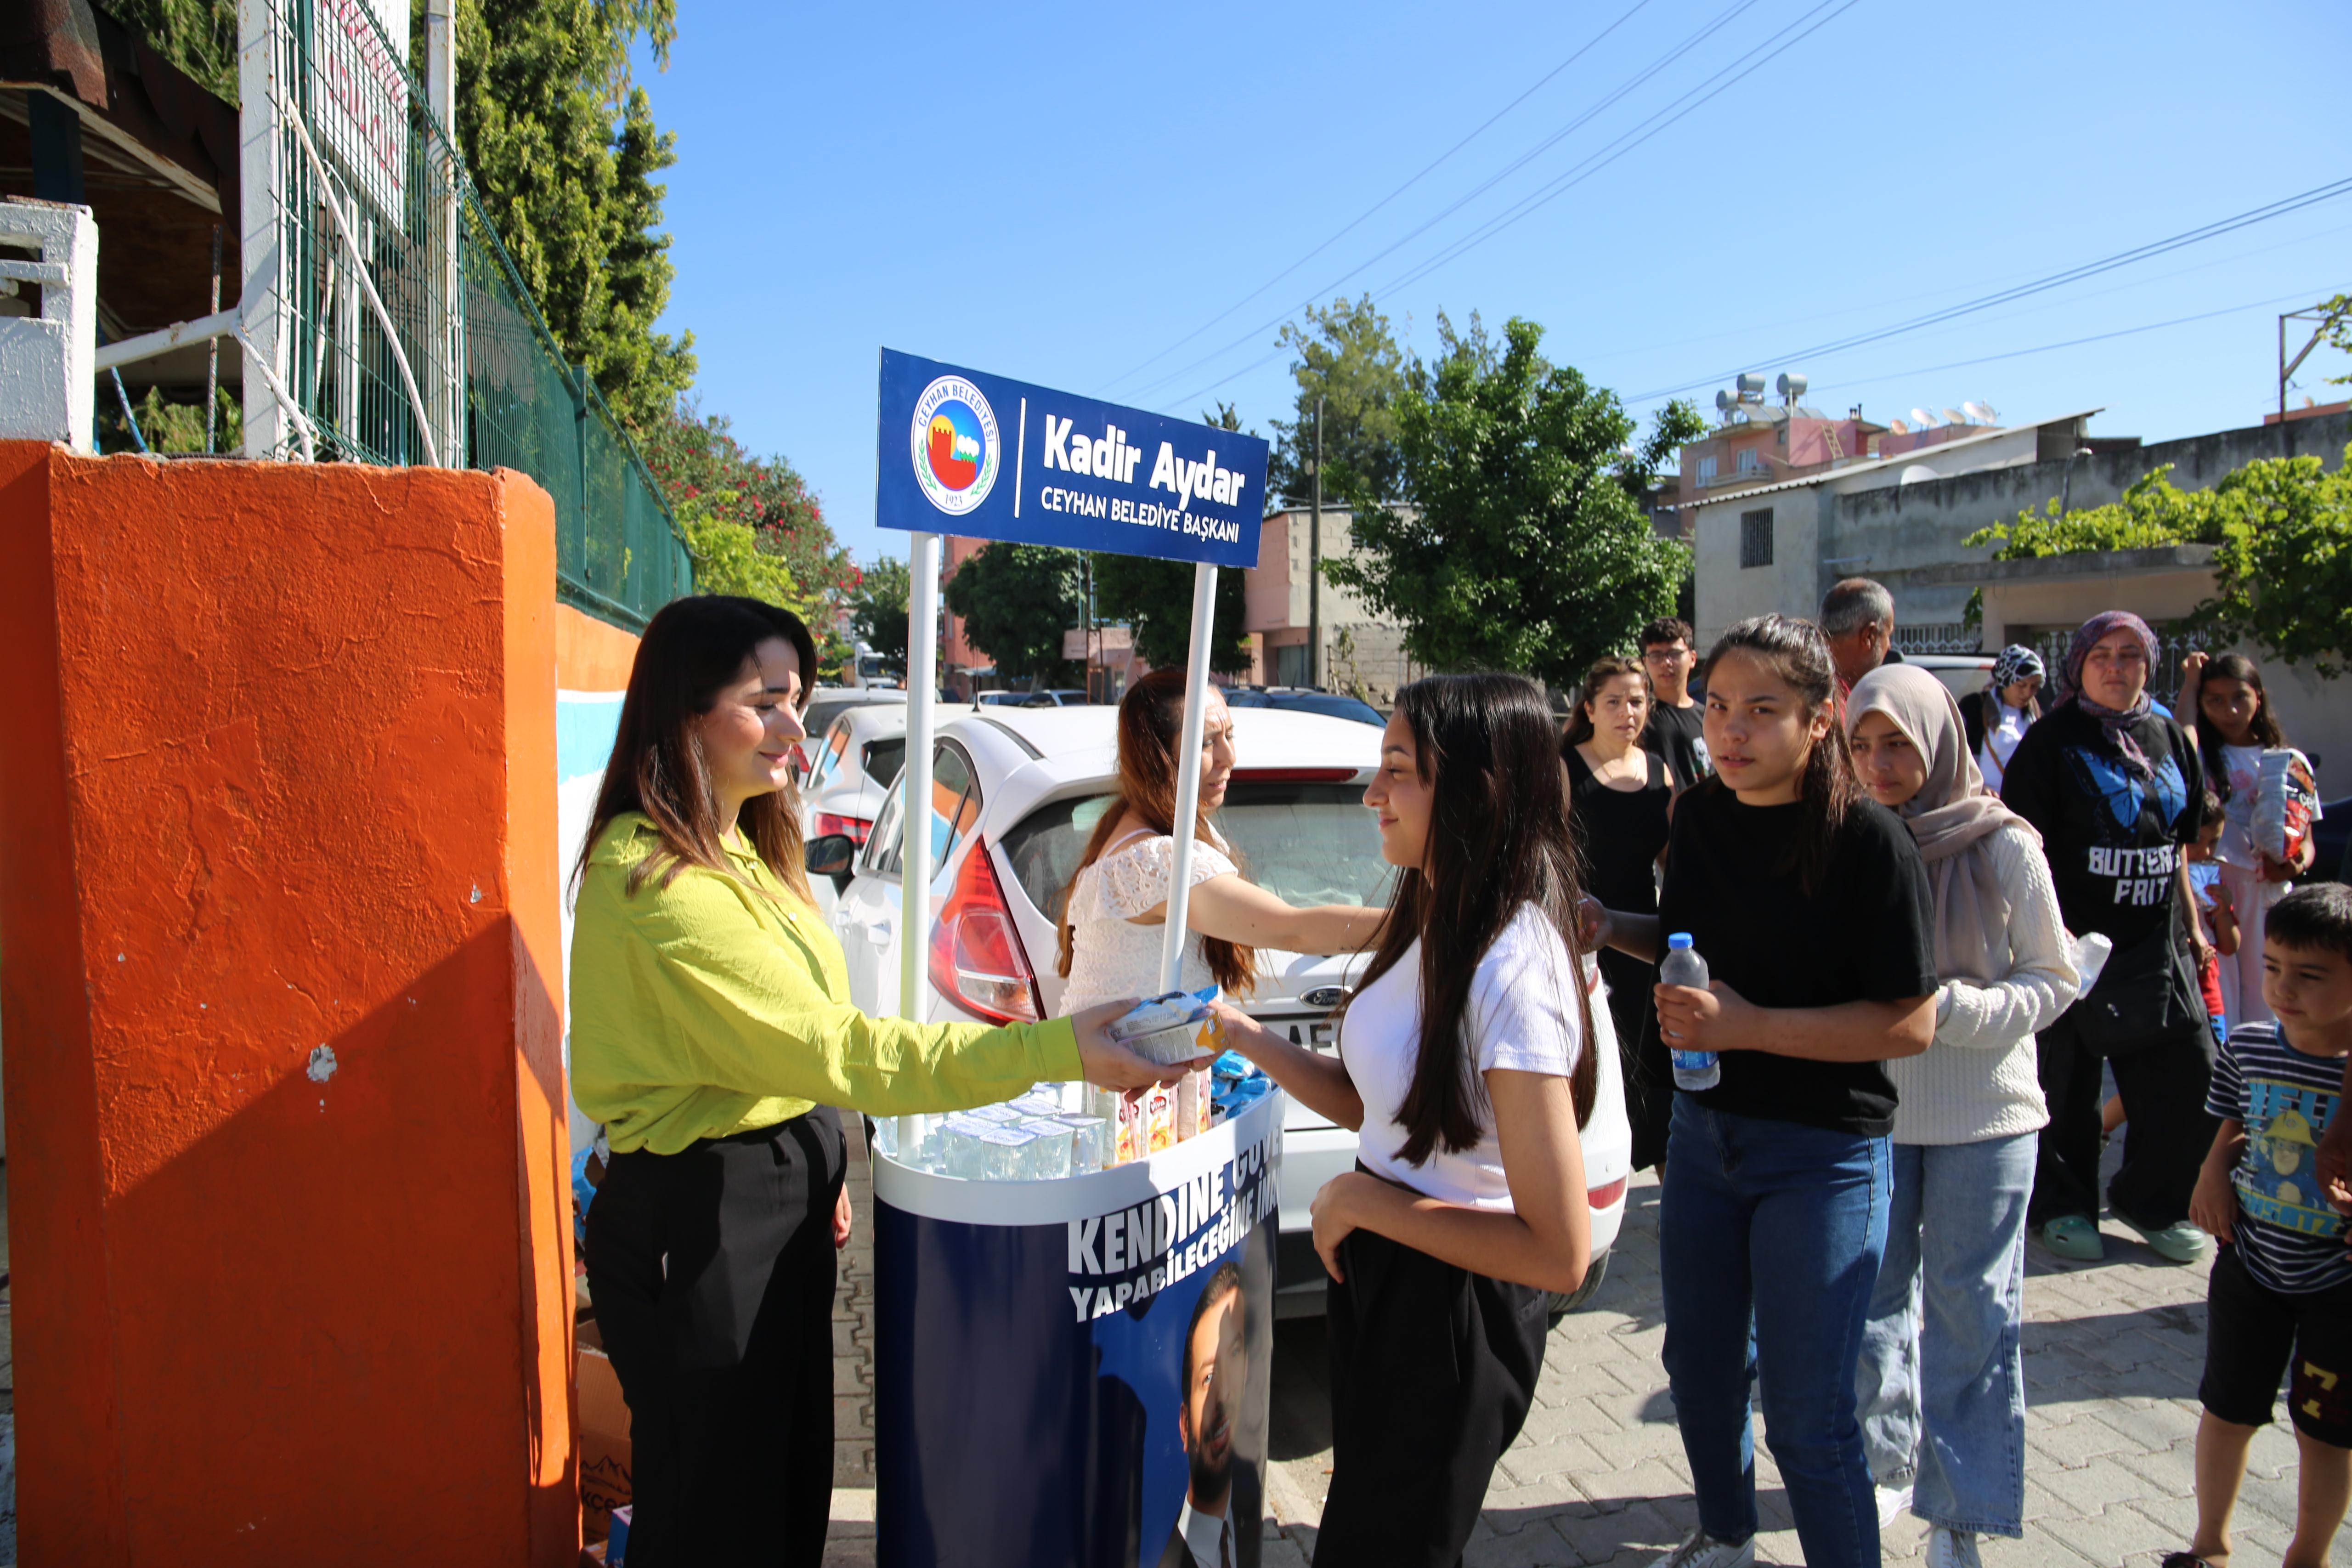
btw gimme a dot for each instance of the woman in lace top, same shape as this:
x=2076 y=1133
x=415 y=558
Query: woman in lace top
x=1116 y=907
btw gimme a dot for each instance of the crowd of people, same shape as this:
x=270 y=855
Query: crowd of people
x=1929 y=925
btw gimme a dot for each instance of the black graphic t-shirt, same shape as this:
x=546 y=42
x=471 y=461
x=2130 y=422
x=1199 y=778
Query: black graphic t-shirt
x=1679 y=735
x=2113 y=840
x=1860 y=933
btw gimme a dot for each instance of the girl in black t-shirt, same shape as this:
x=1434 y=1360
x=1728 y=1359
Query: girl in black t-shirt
x=1810 y=906
x=1618 y=792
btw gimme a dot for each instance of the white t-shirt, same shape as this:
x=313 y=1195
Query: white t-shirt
x=2242 y=765
x=1522 y=1018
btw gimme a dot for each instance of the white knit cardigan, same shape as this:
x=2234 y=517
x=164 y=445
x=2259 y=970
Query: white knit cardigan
x=1977 y=1079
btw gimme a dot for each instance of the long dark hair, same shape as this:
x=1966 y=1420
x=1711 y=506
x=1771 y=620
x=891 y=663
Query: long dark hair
x=1609 y=666
x=2265 y=725
x=1499 y=840
x=1150 y=727
x=691 y=650
x=1796 y=654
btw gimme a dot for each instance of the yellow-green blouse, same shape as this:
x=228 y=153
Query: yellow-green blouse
x=721 y=1004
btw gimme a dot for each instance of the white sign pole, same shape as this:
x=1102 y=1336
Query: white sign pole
x=915 y=807
x=1188 y=774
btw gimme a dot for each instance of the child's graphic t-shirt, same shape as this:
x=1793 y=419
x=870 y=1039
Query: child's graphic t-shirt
x=2287 y=1236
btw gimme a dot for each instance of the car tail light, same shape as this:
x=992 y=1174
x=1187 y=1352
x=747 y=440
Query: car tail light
x=854 y=828
x=976 y=955
x=1600 y=1197
x=798 y=762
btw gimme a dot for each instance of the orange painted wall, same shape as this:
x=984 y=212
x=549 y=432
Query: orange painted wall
x=280 y=775
x=591 y=655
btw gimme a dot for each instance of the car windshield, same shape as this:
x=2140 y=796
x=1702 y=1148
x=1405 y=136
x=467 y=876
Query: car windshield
x=1305 y=843
x=1330 y=704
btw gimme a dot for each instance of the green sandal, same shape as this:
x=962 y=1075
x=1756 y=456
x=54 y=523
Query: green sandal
x=2072 y=1236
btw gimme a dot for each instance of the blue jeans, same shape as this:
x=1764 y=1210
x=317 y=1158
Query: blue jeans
x=1772 y=1229
x=1942 y=1385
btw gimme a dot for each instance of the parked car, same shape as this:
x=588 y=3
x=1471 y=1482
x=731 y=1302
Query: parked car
x=2331 y=856
x=1306 y=699
x=1963 y=674
x=1055 y=697
x=1015 y=794
x=828 y=703
x=857 y=756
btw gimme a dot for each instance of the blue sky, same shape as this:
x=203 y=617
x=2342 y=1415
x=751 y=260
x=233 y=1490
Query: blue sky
x=1112 y=200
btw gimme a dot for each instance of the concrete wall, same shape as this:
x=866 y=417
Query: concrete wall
x=1911 y=534
x=280 y=782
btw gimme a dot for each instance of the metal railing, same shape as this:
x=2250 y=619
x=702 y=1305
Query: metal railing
x=393 y=327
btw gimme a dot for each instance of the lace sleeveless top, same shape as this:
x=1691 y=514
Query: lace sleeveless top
x=1111 y=957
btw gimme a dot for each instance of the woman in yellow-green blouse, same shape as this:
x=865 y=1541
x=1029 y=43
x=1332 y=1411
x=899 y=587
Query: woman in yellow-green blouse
x=711 y=1034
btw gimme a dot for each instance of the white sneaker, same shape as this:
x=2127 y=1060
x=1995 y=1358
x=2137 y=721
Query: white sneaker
x=1949 y=1548
x=1893 y=1502
x=1700 y=1550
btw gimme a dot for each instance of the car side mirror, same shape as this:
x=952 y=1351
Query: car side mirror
x=831 y=856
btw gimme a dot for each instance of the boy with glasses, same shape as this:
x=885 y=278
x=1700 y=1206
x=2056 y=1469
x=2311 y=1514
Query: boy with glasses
x=1674 y=729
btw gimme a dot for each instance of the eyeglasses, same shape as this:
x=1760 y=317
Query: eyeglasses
x=1665 y=655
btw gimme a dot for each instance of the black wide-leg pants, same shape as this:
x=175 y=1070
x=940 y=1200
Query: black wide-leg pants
x=712 y=1272
x=1432 y=1370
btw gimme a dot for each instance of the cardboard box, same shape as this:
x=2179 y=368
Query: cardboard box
x=603 y=1443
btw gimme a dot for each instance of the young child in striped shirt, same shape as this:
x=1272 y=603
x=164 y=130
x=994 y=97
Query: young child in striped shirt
x=2280 y=1300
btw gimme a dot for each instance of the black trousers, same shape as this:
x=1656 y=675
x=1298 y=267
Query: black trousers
x=2163 y=1088
x=712 y=1272
x=1432 y=1369
x=1647 y=1070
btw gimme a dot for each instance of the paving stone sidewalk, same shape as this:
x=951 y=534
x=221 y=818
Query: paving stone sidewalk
x=2112 y=1352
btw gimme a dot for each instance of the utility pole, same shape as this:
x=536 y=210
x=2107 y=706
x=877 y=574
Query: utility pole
x=1315 y=561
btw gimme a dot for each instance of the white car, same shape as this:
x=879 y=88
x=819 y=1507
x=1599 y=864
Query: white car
x=854 y=761
x=1015 y=793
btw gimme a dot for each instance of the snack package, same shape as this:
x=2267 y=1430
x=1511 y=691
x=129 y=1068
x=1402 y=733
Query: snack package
x=1194 y=1104
x=1159 y=1118
x=2285 y=802
x=1169 y=1029
x=1122 y=1120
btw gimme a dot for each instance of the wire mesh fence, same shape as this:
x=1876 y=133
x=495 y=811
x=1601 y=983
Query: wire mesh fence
x=399 y=331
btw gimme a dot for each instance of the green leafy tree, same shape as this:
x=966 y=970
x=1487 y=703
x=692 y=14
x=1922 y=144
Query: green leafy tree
x=1525 y=547
x=170 y=427
x=727 y=554
x=1016 y=600
x=878 y=608
x=197 y=36
x=564 y=152
x=693 y=455
x=1347 y=356
x=2153 y=510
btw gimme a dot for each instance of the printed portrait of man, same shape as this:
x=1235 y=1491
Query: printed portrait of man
x=1219 y=1525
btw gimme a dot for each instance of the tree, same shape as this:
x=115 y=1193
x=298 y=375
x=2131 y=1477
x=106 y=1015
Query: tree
x=1526 y=548
x=1155 y=597
x=727 y=558
x=692 y=455
x=563 y=151
x=1016 y=600
x=878 y=608
x=2281 y=531
x=197 y=36
x=1348 y=357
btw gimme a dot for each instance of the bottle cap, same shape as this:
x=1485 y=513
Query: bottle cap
x=1679 y=939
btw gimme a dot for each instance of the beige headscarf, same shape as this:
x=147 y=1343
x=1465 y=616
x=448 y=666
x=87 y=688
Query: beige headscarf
x=1952 y=817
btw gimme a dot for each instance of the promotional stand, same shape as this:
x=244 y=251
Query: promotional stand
x=1068 y=1374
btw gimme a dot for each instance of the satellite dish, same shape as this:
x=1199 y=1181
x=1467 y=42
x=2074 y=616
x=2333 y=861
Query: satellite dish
x=1976 y=413
x=1991 y=415
x=1899 y=428
x=1921 y=419
x=1917 y=473
x=1954 y=416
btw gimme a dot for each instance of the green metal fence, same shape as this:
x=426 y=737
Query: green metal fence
x=406 y=334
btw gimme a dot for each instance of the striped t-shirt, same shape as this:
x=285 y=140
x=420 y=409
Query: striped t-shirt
x=2287 y=1236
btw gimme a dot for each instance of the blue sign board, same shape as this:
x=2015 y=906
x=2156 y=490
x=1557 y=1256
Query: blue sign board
x=968 y=453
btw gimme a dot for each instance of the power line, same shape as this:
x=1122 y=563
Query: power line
x=2057 y=280
x=1705 y=31
x=1711 y=88
x=1352 y=224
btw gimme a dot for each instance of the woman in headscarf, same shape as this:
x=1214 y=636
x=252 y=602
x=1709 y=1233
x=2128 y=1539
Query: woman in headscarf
x=2115 y=790
x=1998 y=716
x=1940 y=1385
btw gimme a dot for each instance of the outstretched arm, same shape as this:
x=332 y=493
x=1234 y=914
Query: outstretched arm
x=1234 y=909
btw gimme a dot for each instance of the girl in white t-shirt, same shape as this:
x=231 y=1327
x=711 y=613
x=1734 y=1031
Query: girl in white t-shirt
x=1461 y=1065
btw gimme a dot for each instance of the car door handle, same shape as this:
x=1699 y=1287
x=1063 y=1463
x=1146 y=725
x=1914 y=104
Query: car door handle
x=875 y=931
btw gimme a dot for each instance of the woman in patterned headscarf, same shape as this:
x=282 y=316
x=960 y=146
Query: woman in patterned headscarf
x=1997 y=718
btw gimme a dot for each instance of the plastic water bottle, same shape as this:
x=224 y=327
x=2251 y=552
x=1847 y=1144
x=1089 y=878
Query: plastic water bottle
x=1694 y=1070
